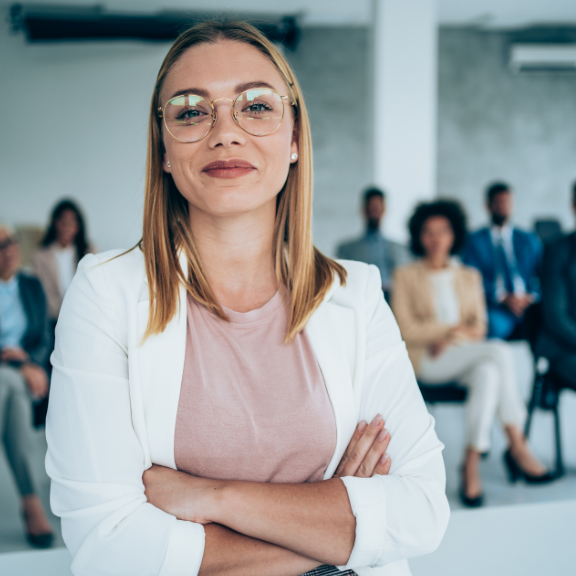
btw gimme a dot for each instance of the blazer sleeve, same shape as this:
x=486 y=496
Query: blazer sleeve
x=405 y=513
x=556 y=293
x=94 y=457
x=472 y=257
x=414 y=330
x=533 y=283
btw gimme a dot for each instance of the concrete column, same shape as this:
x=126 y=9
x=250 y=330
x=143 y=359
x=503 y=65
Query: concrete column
x=404 y=106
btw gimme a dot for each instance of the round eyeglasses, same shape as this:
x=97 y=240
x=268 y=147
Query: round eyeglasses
x=258 y=111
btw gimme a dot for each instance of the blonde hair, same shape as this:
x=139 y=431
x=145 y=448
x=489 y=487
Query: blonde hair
x=299 y=266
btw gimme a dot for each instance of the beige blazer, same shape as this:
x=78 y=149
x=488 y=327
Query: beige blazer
x=413 y=306
x=45 y=267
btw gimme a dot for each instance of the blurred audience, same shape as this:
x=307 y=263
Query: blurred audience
x=509 y=261
x=63 y=246
x=24 y=347
x=557 y=341
x=373 y=247
x=440 y=307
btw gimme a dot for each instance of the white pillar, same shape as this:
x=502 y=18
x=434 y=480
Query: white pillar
x=404 y=103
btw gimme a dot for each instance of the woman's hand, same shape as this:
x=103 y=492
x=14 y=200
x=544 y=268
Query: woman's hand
x=182 y=495
x=366 y=455
x=36 y=379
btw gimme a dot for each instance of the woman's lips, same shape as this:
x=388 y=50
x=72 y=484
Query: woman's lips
x=228 y=168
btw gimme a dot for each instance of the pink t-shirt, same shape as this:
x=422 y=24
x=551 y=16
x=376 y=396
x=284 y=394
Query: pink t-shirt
x=252 y=407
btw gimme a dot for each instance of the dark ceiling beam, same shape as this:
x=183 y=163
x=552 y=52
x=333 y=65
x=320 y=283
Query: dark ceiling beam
x=59 y=23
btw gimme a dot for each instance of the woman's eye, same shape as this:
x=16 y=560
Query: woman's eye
x=257 y=107
x=190 y=114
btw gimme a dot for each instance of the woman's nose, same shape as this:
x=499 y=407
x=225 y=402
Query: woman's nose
x=226 y=132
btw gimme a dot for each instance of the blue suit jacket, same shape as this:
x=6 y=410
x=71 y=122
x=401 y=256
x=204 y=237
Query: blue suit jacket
x=479 y=252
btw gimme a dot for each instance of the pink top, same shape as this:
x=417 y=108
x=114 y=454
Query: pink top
x=252 y=407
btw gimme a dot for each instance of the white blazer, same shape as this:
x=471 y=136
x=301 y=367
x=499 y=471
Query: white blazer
x=113 y=406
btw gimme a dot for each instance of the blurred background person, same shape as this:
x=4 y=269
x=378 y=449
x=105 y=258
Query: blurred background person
x=557 y=341
x=509 y=261
x=373 y=247
x=23 y=352
x=440 y=308
x=63 y=246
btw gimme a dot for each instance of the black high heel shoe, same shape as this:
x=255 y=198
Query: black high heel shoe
x=43 y=540
x=475 y=502
x=516 y=473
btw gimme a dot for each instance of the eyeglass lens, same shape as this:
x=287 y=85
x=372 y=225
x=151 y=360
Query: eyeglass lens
x=258 y=111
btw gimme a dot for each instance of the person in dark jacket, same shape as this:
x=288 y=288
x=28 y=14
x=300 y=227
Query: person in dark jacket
x=24 y=347
x=558 y=338
x=509 y=261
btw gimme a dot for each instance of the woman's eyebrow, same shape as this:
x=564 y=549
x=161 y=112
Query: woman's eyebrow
x=195 y=91
x=250 y=85
x=239 y=88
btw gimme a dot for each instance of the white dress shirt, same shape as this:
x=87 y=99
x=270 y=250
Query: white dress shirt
x=503 y=235
x=446 y=303
x=65 y=265
x=113 y=408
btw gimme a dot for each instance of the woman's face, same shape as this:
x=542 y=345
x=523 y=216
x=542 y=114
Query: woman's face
x=223 y=70
x=437 y=236
x=67 y=226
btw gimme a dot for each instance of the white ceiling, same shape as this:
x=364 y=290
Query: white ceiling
x=489 y=13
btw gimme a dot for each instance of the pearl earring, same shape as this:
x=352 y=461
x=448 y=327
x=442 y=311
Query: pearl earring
x=168 y=163
x=294 y=156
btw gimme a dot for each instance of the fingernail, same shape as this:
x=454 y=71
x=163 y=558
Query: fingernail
x=383 y=435
x=362 y=426
x=384 y=459
x=377 y=420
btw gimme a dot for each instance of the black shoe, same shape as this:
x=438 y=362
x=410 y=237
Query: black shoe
x=475 y=502
x=516 y=473
x=40 y=540
x=43 y=540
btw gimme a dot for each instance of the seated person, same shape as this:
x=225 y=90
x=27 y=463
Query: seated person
x=63 y=246
x=23 y=351
x=558 y=338
x=509 y=261
x=373 y=247
x=439 y=305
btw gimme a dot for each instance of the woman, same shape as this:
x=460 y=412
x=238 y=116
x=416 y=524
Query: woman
x=439 y=306
x=207 y=383
x=62 y=247
x=23 y=352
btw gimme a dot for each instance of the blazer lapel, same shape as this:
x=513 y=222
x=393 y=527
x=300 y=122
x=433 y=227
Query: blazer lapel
x=160 y=367
x=329 y=328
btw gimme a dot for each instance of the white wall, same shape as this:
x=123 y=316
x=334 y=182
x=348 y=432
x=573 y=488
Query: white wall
x=73 y=123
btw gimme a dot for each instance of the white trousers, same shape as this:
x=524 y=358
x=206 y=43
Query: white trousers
x=487 y=370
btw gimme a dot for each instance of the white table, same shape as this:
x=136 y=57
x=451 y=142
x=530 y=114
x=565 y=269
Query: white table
x=520 y=540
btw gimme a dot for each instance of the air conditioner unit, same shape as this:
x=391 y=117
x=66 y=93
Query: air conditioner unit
x=543 y=57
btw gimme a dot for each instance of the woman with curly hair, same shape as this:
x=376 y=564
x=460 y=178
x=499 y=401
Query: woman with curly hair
x=440 y=308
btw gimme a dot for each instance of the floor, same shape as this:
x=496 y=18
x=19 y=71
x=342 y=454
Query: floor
x=450 y=427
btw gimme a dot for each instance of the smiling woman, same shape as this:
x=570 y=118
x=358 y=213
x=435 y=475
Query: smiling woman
x=212 y=387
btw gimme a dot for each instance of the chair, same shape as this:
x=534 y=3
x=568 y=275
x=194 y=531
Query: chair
x=548 y=229
x=545 y=395
x=450 y=392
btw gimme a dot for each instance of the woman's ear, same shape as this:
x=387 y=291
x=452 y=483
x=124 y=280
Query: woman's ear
x=294 y=145
x=166 y=164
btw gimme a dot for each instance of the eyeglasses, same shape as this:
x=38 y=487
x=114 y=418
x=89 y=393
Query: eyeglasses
x=258 y=111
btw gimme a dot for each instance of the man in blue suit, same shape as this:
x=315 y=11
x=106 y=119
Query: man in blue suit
x=509 y=261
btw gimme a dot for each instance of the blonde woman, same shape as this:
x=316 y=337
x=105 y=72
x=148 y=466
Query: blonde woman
x=220 y=392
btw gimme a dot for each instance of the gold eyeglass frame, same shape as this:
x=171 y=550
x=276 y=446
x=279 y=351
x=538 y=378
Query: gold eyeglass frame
x=161 y=113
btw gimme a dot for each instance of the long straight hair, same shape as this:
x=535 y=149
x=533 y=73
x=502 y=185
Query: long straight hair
x=299 y=266
x=80 y=240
